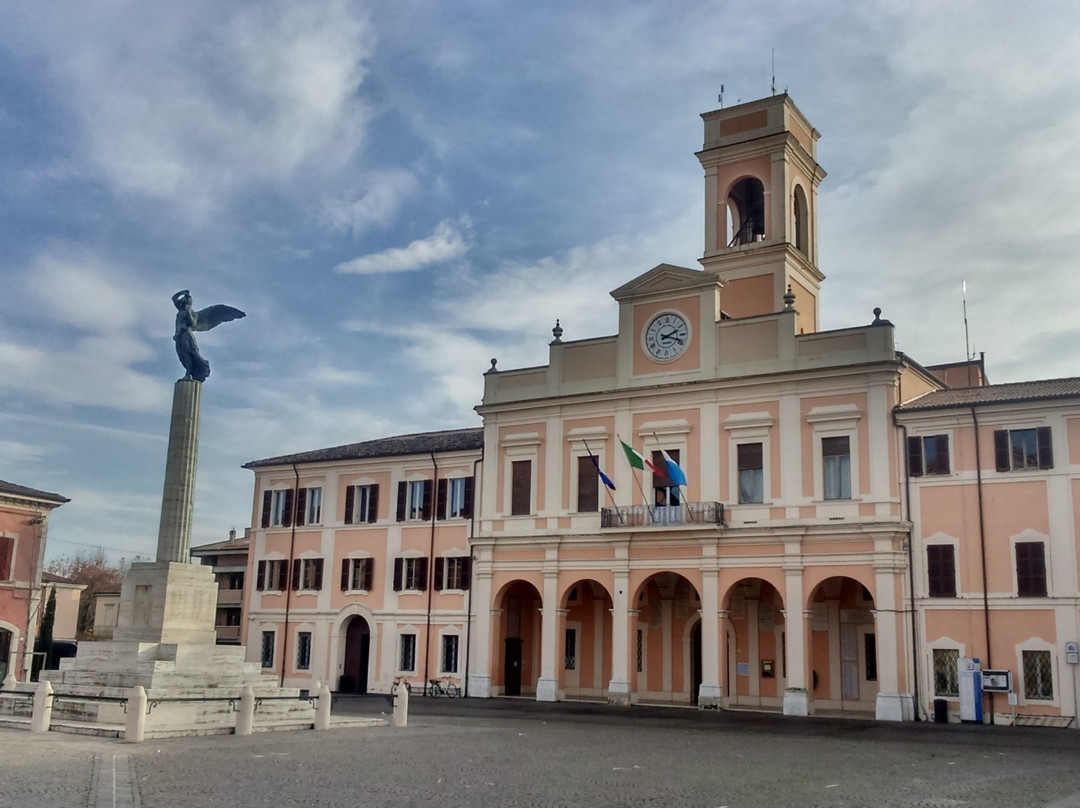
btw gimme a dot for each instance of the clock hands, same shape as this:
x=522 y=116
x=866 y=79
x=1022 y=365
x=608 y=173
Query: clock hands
x=670 y=336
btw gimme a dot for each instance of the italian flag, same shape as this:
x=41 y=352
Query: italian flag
x=638 y=461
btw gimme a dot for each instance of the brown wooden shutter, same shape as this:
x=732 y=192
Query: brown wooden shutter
x=1030 y=569
x=318 y=573
x=915 y=457
x=350 y=501
x=301 y=501
x=466 y=573
x=944 y=462
x=368 y=573
x=402 y=497
x=440 y=500
x=520 y=487
x=1001 y=449
x=941 y=570
x=399 y=564
x=467 y=509
x=588 y=486
x=260 y=577
x=268 y=497
x=286 y=520
x=296 y=574
x=373 y=503
x=440 y=572
x=1046 y=448
x=346 y=568
x=421 y=573
x=429 y=491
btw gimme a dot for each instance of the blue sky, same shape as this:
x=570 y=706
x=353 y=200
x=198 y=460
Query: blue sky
x=398 y=192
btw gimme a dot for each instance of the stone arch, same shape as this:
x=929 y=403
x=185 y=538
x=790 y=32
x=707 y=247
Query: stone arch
x=755 y=635
x=585 y=646
x=664 y=607
x=842 y=645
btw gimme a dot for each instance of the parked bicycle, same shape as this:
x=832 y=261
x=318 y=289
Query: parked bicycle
x=438 y=688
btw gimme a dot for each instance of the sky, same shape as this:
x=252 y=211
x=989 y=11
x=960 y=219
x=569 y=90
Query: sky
x=396 y=193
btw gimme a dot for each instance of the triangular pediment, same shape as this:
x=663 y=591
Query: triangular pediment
x=665 y=278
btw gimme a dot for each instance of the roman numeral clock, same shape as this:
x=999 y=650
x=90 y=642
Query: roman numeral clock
x=666 y=336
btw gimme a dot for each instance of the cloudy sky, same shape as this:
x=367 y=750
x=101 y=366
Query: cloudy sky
x=398 y=192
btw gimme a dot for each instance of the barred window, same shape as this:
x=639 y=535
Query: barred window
x=946 y=673
x=1038 y=676
x=570 y=655
x=449 y=653
x=408 y=652
x=303 y=651
x=640 y=649
x=267 y=649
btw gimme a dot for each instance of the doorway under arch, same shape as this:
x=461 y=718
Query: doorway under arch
x=662 y=643
x=517 y=662
x=843 y=646
x=585 y=664
x=354 y=674
x=755 y=636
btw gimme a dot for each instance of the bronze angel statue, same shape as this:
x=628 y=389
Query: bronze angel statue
x=188 y=322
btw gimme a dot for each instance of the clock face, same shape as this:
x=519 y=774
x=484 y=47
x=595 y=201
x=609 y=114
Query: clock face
x=667 y=336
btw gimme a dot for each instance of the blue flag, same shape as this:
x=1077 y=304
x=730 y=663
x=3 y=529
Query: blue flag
x=606 y=480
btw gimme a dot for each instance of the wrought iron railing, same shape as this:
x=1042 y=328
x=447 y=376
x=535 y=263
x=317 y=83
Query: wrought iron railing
x=688 y=513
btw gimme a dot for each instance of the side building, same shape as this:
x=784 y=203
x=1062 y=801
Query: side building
x=229 y=560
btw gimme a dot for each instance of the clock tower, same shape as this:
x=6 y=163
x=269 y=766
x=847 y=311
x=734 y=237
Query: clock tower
x=761 y=179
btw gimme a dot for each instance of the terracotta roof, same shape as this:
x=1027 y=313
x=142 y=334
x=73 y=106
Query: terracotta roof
x=53 y=578
x=33 y=493
x=421 y=443
x=1014 y=392
x=219 y=546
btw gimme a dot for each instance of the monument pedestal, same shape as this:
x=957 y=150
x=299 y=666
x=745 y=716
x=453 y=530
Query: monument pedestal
x=167 y=602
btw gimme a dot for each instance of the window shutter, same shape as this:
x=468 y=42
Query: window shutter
x=402 y=495
x=318 y=573
x=346 y=565
x=941 y=570
x=914 y=457
x=399 y=564
x=520 y=487
x=440 y=500
x=373 y=504
x=1046 y=449
x=369 y=573
x=944 y=462
x=286 y=520
x=260 y=576
x=421 y=572
x=440 y=568
x=296 y=573
x=425 y=511
x=301 y=501
x=1001 y=449
x=350 y=500
x=267 y=500
x=467 y=509
x=466 y=572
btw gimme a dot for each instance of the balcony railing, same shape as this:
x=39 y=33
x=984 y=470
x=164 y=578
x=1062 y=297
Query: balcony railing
x=689 y=513
x=230 y=596
x=228 y=633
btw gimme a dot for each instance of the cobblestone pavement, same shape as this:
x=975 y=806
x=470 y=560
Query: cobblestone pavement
x=502 y=753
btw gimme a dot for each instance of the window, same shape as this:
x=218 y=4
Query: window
x=570 y=649
x=231 y=580
x=271 y=575
x=455 y=498
x=1030 y=569
x=1038 y=676
x=303 y=651
x=664 y=493
x=941 y=570
x=453 y=572
x=1016 y=449
x=227 y=617
x=521 y=488
x=836 y=467
x=267 y=649
x=410 y=573
x=640 y=650
x=870 y=648
x=408 y=653
x=361 y=504
x=7 y=556
x=751 y=473
x=449 y=653
x=414 y=501
x=309 y=506
x=946 y=673
x=588 y=485
x=928 y=454
x=357 y=573
x=307 y=573
x=277 y=508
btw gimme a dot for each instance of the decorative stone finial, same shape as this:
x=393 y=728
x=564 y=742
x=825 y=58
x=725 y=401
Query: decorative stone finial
x=557 y=332
x=877 y=317
x=493 y=369
x=789 y=299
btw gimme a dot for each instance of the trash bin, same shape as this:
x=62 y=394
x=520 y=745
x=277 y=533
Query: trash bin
x=941 y=711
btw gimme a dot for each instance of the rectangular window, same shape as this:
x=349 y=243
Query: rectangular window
x=751 y=473
x=941 y=570
x=570 y=649
x=410 y=574
x=414 y=501
x=870 y=652
x=307 y=573
x=946 y=673
x=303 y=651
x=521 y=488
x=277 y=508
x=361 y=504
x=928 y=454
x=664 y=493
x=1038 y=676
x=309 y=506
x=267 y=649
x=357 y=574
x=7 y=556
x=640 y=650
x=836 y=467
x=408 y=653
x=588 y=486
x=270 y=575
x=1017 y=449
x=455 y=498
x=453 y=572
x=449 y=653
x=1030 y=569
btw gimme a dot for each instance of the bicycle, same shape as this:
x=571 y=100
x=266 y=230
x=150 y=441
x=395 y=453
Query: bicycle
x=440 y=689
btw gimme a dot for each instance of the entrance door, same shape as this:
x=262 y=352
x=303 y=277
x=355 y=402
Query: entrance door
x=695 y=663
x=354 y=677
x=512 y=667
x=5 y=651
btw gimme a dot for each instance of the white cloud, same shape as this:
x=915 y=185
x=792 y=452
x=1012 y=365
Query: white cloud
x=375 y=206
x=449 y=241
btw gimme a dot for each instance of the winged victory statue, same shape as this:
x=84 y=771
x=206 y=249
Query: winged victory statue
x=187 y=323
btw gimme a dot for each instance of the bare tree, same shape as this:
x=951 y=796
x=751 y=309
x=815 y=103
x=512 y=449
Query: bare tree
x=93 y=569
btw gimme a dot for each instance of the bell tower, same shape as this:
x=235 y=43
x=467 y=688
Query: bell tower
x=761 y=180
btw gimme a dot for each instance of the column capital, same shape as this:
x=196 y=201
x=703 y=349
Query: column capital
x=808 y=614
x=723 y=614
x=562 y=612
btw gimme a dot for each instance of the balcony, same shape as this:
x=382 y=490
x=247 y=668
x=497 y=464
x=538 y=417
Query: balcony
x=227 y=634
x=230 y=597
x=689 y=513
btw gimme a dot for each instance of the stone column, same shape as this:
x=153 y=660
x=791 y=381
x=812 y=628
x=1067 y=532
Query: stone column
x=796 y=696
x=482 y=636
x=892 y=705
x=548 y=684
x=710 y=692
x=174 y=531
x=619 y=686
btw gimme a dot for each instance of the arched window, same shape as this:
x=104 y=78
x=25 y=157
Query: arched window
x=801 y=221
x=746 y=202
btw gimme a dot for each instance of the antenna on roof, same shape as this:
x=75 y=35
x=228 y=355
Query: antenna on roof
x=721 y=98
x=774 y=71
x=967 y=344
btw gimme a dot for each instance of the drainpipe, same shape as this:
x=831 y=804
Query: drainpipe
x=431 y=568
x=982 y=550
x=468 y=608
x=911 y=571
x=288 y=575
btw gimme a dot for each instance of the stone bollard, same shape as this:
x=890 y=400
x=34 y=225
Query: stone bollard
x=401 y=706
x=322 y=712
x=9 y=681
x=42 y=717
x=245 y=711
x=135 y=727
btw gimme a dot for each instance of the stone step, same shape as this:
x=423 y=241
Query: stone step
x=87 y=728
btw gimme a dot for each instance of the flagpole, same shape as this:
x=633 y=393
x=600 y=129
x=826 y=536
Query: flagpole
x=611 y=499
